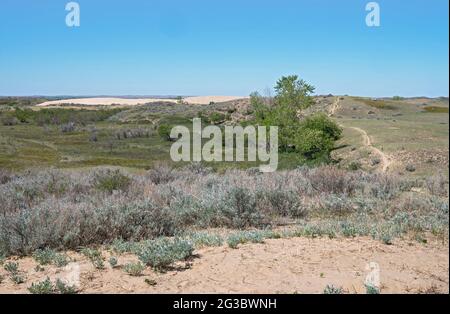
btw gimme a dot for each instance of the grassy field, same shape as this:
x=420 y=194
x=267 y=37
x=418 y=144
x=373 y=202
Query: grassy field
x=407 y=131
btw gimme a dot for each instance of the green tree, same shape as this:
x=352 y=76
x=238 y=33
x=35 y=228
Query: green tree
x=312 y=137
x=293 y=92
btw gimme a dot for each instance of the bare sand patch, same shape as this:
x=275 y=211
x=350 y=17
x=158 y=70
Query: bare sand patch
x=109 y=101
x=292 y=265
x=205 y=100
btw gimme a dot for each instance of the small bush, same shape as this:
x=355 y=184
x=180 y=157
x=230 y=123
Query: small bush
x=134 y=269
x=161 y=174
x=111 y=180
x=204 y=239
x=330 y=289
x=44 y=257
x=43 y=287
x=164 y=132
x=47 y=287
x=372 y=290
x=244 y=237
x=354 y=165
x=410 y=168
x=161 y=253
x=15 y=274
x=95 y=256
x=113 y=261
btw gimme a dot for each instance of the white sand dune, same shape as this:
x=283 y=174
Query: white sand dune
x=102 y=101
x=205 y=100
x=108 y=101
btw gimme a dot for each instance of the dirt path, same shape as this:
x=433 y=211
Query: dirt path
x=385 y=161
x=292 y=265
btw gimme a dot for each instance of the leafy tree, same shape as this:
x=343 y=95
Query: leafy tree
x=293 y=92
x=312 y=137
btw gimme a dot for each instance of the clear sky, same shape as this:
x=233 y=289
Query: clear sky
x=223 y=47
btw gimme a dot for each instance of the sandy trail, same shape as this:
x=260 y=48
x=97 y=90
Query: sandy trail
x=277 y=266
x=385 y=161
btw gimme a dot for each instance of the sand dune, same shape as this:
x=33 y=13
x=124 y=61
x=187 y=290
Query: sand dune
x=108 y=101
x=205 y=100
x=102 y=101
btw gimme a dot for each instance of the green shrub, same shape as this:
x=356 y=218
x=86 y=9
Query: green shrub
x=15 y=274
x=48 y=256
x=113 y=261
x=372 y=289
x=164 y=132
x=321 y=122
x=44 y=257
x=43 y=287
x=330 y=289
x=163 y=252
x=313 y=143
x=47 y=287
x=204 y=239
x=134 y=269
x=216 y=117
x=111 y=180
x=244 y=237
x=95 y=256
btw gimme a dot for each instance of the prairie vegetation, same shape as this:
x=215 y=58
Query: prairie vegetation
x=61 y=210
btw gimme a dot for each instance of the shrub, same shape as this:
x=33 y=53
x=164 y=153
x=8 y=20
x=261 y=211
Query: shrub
x=68 y=127
x=164 y=132
x=95 y=256
x=203 y=239
x=313 y=143
x=111 y=180
x=163 y=252
x=9 y=120
x=161 y=174
x=113 y=261
x=354 y=165
x=372 y=289
x=244 y=237
x=48 y=256
x=321 y=122
x=5 y=176
x=15 y=274
x=437 y=185
x=330 y=289
x=43 y=287
x=47 y=287
x=278 y=202
x=134 y=269
x=240 y=210
x=410 y=168
x=216 y=117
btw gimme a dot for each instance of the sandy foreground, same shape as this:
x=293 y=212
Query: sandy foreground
x=296 y=265
x=109 y=101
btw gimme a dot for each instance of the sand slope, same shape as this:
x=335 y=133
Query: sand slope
x=108 y=101
x=278 y=266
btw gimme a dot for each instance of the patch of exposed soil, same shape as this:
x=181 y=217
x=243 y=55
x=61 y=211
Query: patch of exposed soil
x=278 y=266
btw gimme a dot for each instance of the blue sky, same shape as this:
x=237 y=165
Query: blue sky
x=223 y=47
